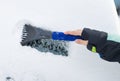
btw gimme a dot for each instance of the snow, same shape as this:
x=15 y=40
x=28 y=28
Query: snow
x=27 y=64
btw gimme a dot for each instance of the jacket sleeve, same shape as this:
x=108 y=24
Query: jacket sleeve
x=98 y=42
x=114 y=37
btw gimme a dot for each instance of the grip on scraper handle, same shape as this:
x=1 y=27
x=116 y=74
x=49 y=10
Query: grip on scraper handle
x=62 y=36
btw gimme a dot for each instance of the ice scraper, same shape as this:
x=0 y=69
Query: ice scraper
x=46 y=40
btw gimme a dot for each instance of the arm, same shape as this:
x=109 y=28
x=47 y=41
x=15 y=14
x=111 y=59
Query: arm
x=102 y=43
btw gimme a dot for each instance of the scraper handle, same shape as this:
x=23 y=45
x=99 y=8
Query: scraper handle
x=62 y=36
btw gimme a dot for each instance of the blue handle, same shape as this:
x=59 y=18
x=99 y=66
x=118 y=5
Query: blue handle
x=62 y=36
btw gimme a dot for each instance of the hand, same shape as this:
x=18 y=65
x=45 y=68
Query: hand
x=74 y=32
x=77 y=32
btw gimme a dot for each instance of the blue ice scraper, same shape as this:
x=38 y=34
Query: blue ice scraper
x=45 y=40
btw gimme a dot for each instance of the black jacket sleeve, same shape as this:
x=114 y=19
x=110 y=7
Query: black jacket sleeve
x=109 y=50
